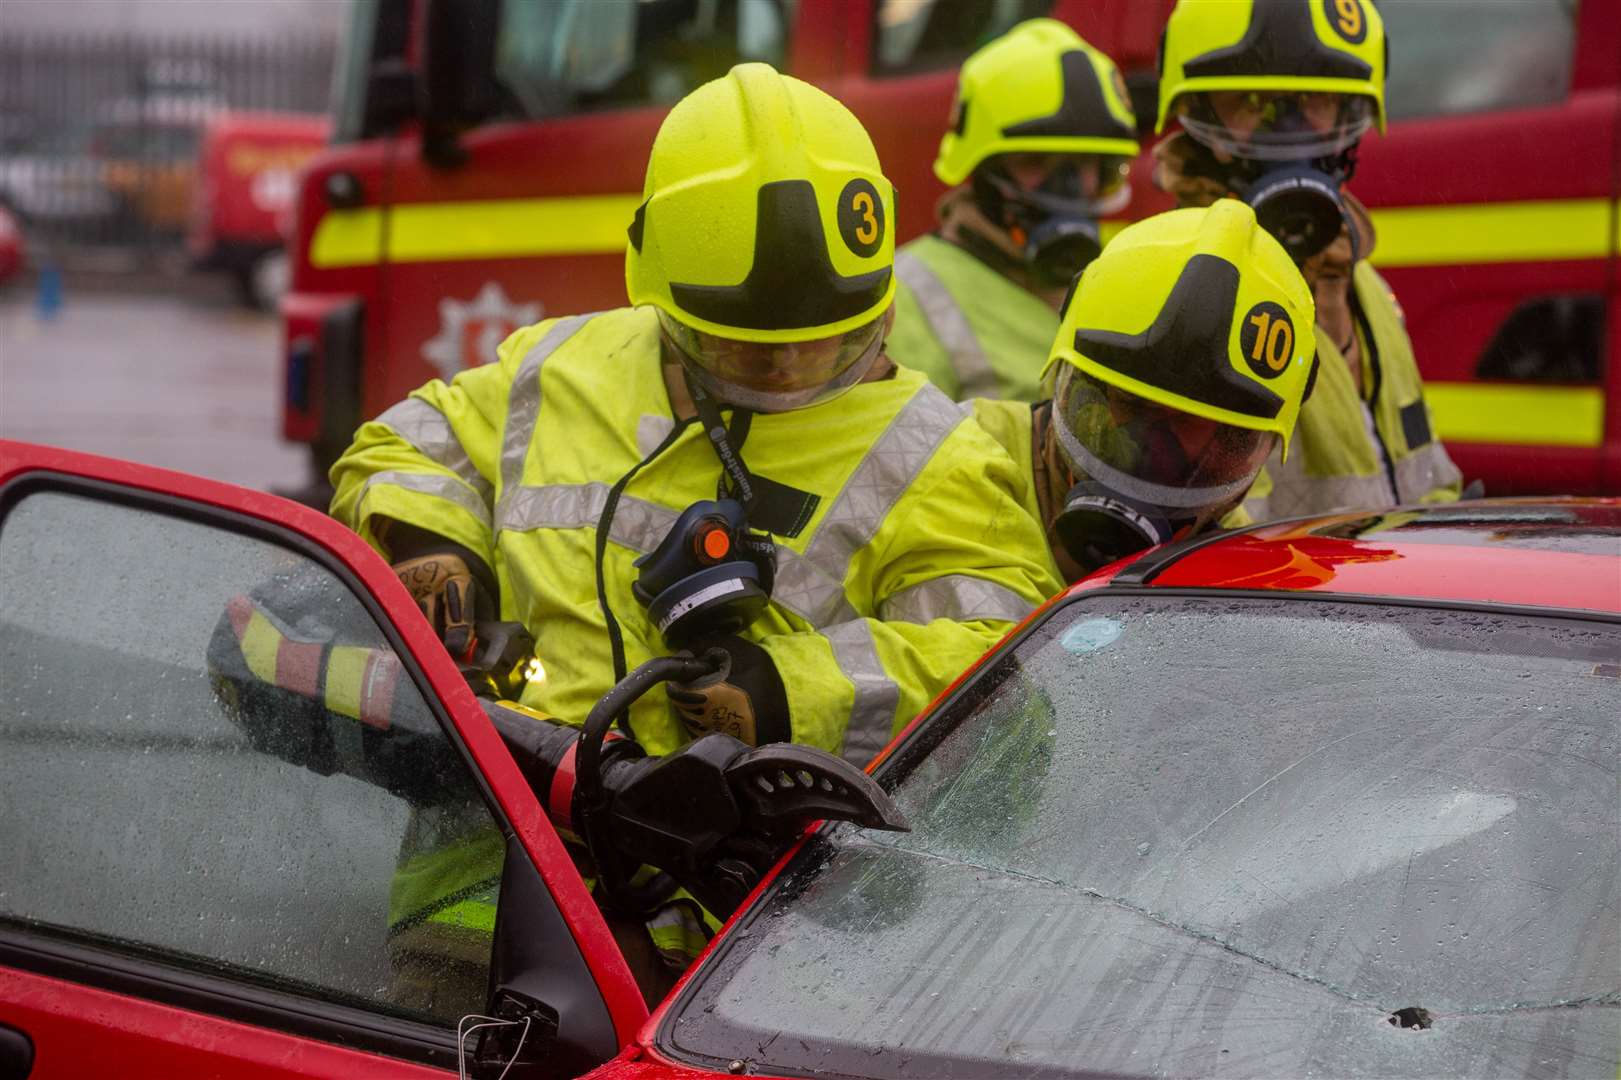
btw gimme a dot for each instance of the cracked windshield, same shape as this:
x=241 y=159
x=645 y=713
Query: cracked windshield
x=1151 y=825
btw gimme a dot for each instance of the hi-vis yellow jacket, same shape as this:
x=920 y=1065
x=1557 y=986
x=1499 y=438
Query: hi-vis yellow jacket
x=973 y=332
x=1350 y=454
x=915 y=559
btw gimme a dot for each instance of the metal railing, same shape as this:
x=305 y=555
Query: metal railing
x=99 y=134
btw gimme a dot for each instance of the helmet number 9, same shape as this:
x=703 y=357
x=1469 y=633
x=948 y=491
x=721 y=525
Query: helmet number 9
x=1268 y=339
x=861 y=218
x=1348 y=19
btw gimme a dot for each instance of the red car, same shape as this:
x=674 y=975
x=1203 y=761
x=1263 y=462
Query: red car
x=1332 y=796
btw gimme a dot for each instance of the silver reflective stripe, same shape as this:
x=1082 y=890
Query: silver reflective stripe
x=958 y=597
x=651 y=431
x=637 y=524
x=427 y=429
x=950 y=327
x=812 y=585
x=1424 y=470
x=1123 y=483
x=440 y=486
x=1294 y=493
x=872 y=716
x=523 y=404
x=810 y=592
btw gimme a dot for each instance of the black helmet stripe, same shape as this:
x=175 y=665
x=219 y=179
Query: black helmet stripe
x=1083 y=112
x=1280 y=41
x=792 y=282
x=1185 y=350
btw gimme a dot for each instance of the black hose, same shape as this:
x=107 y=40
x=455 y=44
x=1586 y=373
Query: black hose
x=588 y=758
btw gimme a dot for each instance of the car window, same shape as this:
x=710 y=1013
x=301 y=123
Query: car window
x=1515 y=54
x=1176 y=836
x=925 y=35
x=211 y=757
x=578 y=55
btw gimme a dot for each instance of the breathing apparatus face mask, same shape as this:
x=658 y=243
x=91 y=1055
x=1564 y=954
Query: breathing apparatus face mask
x=1286 y=153
x=1049 y=204
x=776 y=377
x=1144 y=473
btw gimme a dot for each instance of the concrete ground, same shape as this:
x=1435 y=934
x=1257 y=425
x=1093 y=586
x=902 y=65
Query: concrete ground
x=169 y=372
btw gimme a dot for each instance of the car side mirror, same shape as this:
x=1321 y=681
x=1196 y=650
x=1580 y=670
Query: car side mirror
x=457 y=88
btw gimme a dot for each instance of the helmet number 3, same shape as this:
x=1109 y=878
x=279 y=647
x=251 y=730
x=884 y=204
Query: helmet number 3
x=1348 y=19
x=861 y=217
x=867 y=231
x=1268 y=339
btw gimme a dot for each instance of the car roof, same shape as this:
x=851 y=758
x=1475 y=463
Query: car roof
x=1559 y=553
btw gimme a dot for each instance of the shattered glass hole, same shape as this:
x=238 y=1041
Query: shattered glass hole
x=1413 y=1016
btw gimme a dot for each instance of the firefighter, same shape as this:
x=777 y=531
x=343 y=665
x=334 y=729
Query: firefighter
x=1041 y=134
x=750 y=367
x=1183 y=357
x=1274 y=97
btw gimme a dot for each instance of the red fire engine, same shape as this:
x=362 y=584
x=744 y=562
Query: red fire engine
x=487 y=158
x=248 y=175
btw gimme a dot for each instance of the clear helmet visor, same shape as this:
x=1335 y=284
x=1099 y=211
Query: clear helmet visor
x=1276 y=125
x=1183 y=465
x=775 y=376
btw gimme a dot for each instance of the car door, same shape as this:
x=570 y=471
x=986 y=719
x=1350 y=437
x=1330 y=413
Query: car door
x=194 y=880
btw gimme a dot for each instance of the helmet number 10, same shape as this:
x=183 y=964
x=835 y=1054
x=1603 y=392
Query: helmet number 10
x=1272 y=342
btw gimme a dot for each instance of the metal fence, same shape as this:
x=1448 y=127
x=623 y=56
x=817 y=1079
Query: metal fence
x=99 y=134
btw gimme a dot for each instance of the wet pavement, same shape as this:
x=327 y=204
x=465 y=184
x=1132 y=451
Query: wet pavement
x=179 y=376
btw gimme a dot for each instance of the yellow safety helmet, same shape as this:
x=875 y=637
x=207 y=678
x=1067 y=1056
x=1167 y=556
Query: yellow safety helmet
x=1326 y=46
x=765 y=216
x=1199 y=310
x=1039 y=88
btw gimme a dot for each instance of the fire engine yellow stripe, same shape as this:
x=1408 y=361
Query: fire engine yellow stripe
x=1518 y=415
x=1492 y=233
x=347 y=238
x=595 y=224
x=485 y=229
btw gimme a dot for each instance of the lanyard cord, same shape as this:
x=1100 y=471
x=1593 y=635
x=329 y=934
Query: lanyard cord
x=616 y=639
x=731 y=461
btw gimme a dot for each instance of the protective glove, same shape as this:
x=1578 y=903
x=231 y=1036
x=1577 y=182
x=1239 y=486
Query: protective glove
x=446 y=588
x=745 y=698
x=452 y=585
